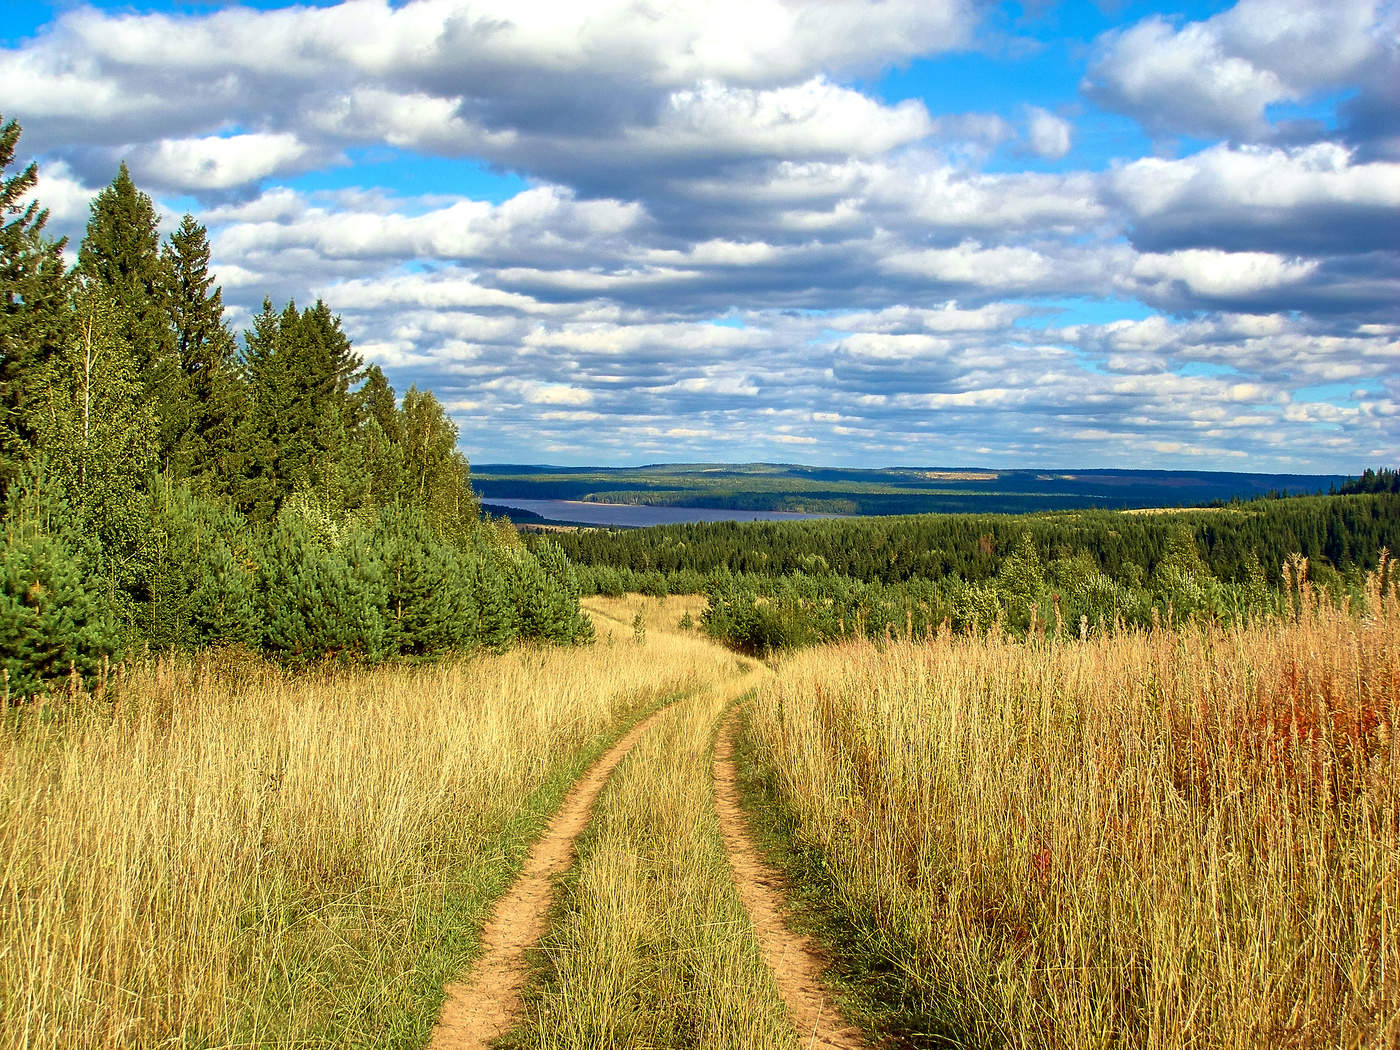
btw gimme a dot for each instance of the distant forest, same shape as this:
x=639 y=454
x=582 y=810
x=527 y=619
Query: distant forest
x=164 y=488
x=772 y=585
x=895 y=490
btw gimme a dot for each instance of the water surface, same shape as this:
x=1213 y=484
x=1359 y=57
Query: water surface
x=627 y=514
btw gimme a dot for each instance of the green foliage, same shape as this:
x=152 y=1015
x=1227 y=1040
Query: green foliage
x=430 y=602
x=34 y=313
x=202 y=573
x=98 y=432
x=201 y=433
x=319 y=601
x=53 y=623
x=286 y=500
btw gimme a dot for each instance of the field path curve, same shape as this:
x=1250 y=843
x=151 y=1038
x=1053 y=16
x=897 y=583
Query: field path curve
x=796 y=964
x=486 y=1002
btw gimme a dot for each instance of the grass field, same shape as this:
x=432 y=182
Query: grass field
x=1156 y=839
x=229 y=856
x=651 y=946
x=1167 y=838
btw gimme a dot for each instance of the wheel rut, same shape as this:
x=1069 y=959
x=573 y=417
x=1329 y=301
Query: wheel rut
x=796 y=964
x=486 y=1003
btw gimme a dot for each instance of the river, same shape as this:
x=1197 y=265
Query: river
x=635 y=515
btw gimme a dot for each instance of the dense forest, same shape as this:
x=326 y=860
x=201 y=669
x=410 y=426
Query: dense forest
x=883 y=491
x=164 y=488
x=776 y=584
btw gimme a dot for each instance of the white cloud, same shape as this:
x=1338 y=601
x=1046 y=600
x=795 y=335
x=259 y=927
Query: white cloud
x=1216 y=274
x=1047 y=135
x=1217 y=77
x=218 y=163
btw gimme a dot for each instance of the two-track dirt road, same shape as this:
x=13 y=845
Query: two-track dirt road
x=486 y=1003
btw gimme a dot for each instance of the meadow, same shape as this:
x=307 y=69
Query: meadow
x=1159 y=838
x=221 y=853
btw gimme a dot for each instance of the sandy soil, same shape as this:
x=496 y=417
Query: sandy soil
x=795 y=962
x=487 y=1002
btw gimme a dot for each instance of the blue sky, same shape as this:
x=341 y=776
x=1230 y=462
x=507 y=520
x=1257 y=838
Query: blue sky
x=930 y=231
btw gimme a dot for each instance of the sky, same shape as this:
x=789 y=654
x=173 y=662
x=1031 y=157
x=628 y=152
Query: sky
x=900 y=232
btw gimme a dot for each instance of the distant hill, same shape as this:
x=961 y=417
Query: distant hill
x=890 y=490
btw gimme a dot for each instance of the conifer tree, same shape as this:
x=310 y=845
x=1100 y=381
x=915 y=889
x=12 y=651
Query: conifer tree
x=120 y=255
x=430 y=605
x=380 y=439
x=53 y=623
x=99 y=434
x=34 y=315
x=316 y=602
x=263 y=433
x=203 y=437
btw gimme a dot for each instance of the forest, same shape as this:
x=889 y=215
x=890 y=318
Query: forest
x=164 y=488
x=779 y=584
x=893 y=490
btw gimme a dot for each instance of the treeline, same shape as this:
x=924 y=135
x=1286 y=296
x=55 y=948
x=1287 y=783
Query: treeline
x=164 y=488
x=1383 y=480
x=779 y=584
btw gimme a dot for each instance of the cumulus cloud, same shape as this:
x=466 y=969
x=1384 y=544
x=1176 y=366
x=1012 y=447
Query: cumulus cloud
x=727 y=245
x=1216 y=78
x=1310 y=199
x=1047 y=135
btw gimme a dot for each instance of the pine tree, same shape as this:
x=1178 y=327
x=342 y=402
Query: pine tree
x=203 y=437
x=34 y=315
x=430 y=603
x=53 y=623
x=121 y=256
x=316 y=602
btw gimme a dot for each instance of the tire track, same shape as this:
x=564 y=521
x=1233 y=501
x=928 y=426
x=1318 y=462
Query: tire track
x=796 y=964
x=486 y=1003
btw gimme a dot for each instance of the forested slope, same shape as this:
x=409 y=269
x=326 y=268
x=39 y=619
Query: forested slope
x=163 y=487
x=775 y=584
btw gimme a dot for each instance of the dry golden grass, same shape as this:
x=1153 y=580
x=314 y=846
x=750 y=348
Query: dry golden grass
x=231 y=856
x=651 y=946
x=1159 y=839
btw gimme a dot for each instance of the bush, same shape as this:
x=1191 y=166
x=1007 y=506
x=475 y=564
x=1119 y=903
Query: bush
x=53 y=621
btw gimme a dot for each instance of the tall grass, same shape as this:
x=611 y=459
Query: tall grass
x=651 y=946
x=1156 y=839
x=234 y=856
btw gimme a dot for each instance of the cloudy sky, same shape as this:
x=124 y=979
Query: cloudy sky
x=935 y=232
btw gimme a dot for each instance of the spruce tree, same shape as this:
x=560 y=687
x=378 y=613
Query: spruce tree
x=120 y=255
x=203 y=437
x=34 y=314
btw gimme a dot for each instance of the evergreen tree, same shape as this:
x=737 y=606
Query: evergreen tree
x=53 y=623
x=430 y=604
x=120 y=256
x=381 y=441
x=99 y=435
x=316 y=602
x=264 y=431
x=203 y=436
x=34 y=314
x=496 y=618
x=202 y=574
